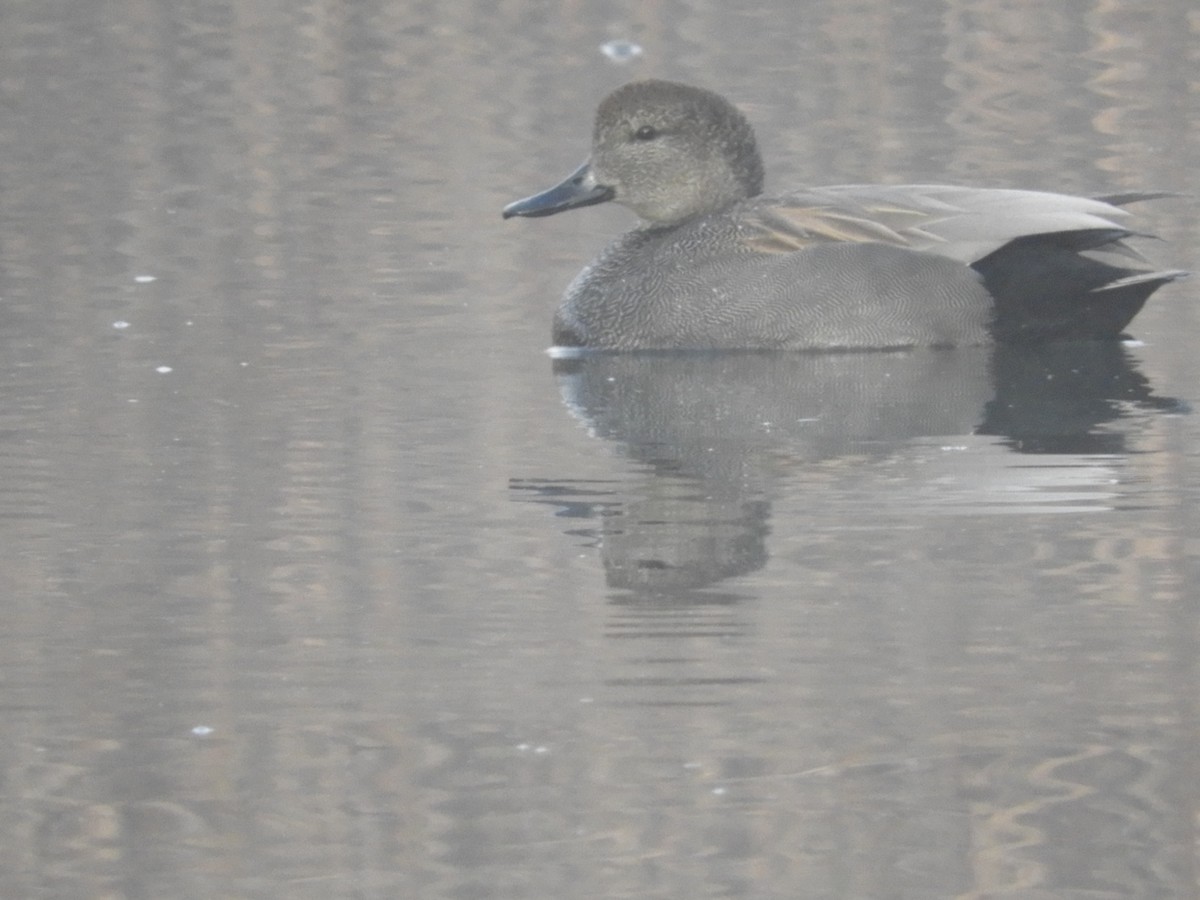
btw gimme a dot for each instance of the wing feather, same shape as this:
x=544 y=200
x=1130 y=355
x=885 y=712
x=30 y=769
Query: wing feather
x=965 y=224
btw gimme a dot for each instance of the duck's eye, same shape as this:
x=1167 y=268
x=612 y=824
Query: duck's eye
x=646 y=133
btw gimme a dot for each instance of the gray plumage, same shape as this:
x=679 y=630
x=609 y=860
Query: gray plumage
x=853 y=266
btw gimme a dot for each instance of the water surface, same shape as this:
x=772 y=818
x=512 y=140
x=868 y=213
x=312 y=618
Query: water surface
x=321 y=579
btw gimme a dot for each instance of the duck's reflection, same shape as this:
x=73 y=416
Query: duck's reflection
x=1057 y=398
x=715 y=434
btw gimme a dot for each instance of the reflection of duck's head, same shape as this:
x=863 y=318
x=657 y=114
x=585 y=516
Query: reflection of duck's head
x=849 y=266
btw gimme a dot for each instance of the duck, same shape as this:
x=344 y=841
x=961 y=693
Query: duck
x=714 y=264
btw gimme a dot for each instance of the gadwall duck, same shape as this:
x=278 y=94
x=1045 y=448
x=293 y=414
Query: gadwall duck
x=715 y=265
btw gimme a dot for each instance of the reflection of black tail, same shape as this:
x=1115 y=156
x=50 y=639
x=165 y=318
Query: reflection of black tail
x=1059 y=397
x=1045 y=288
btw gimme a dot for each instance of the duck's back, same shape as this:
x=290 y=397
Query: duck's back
x=863 y=267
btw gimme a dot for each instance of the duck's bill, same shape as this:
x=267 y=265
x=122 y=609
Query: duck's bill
x=578 y=189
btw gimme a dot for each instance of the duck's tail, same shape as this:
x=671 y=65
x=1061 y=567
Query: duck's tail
x=1068 y=285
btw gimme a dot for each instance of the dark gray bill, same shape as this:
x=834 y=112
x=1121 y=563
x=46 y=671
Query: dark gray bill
x=579 y=189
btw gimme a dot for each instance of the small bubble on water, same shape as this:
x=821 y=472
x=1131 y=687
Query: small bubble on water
x=120 y=324
x=621 y=51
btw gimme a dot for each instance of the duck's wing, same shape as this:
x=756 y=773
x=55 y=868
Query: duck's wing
x=964 y=224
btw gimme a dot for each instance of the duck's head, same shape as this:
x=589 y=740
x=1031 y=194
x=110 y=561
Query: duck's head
x=667 y=151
